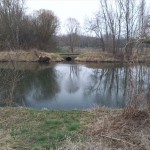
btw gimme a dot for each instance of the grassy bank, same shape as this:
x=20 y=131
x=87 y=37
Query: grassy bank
x=97 y=57
x=99 y=129
x=27 y=56
x=109 y=57
x=33 y=56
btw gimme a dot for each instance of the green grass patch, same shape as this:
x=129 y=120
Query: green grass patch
x=73 y=126
x=82 y=54
x=26 y=129
x=64 y=50
x=37 y=129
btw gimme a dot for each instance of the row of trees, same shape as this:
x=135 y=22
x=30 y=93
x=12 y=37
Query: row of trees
x=80 y=41
x=115 y=27
x=18 y=30
x=120 y=24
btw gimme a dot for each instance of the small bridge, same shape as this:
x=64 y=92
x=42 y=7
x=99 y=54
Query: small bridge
x=69 y=56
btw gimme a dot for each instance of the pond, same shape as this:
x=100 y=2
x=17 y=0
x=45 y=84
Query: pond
x=67 y=86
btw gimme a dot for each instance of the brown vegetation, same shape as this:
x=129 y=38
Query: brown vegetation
x=97 y=57
x=27 y=56
x=117 y=132
x=142 y=57
x=38 y=56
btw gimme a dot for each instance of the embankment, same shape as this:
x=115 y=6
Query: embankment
x=28 y=56
x=35 y=56
x=97 y=57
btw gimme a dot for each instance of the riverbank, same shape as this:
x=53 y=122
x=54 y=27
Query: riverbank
x=28 y=56
x=110 y=58
x=39 y=56
x=97 y=57
x=101 y=128
x=33 y=56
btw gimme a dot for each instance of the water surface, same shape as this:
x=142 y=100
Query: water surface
x=66 y=86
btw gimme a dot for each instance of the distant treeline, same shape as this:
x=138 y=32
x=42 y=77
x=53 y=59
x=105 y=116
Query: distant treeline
x=21 y=31
x=121 y=28
x=82 y=41
x=111 y=29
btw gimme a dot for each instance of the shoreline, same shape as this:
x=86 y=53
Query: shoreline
x=91 y=57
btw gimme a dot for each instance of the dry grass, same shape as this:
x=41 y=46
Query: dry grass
x=93 y=56
x=98 y=129
x=121 y=133
x=97 y=57
x=27 y=56
x=87 y=56
x=33 y=55
x=5 y=140
x=91 y=145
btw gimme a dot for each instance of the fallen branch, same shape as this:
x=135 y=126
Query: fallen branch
x=116 y=139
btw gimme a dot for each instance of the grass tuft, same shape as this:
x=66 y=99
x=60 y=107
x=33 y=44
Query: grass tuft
x=73 y=126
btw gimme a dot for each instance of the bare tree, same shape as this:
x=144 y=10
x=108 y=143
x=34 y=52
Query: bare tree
x=120 y=25
x=72 y=28
x=106 y=25
x=11 y=13
x=142 y=12
x=18 y=30
x=96 y=26
x=46 y=25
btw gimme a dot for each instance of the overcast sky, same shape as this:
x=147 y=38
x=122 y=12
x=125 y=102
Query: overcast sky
x=63 y=9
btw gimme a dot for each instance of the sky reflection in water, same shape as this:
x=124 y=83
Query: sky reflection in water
x=71 y=86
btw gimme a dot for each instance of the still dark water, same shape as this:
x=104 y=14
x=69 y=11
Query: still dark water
x=67 y=86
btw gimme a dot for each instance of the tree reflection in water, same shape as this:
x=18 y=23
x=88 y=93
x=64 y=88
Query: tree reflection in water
x=69 y=86
x=113 y=83
x=107 y=84
x=9 y=80
x=73 y=79
x=36 y=84
x=39 y=85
